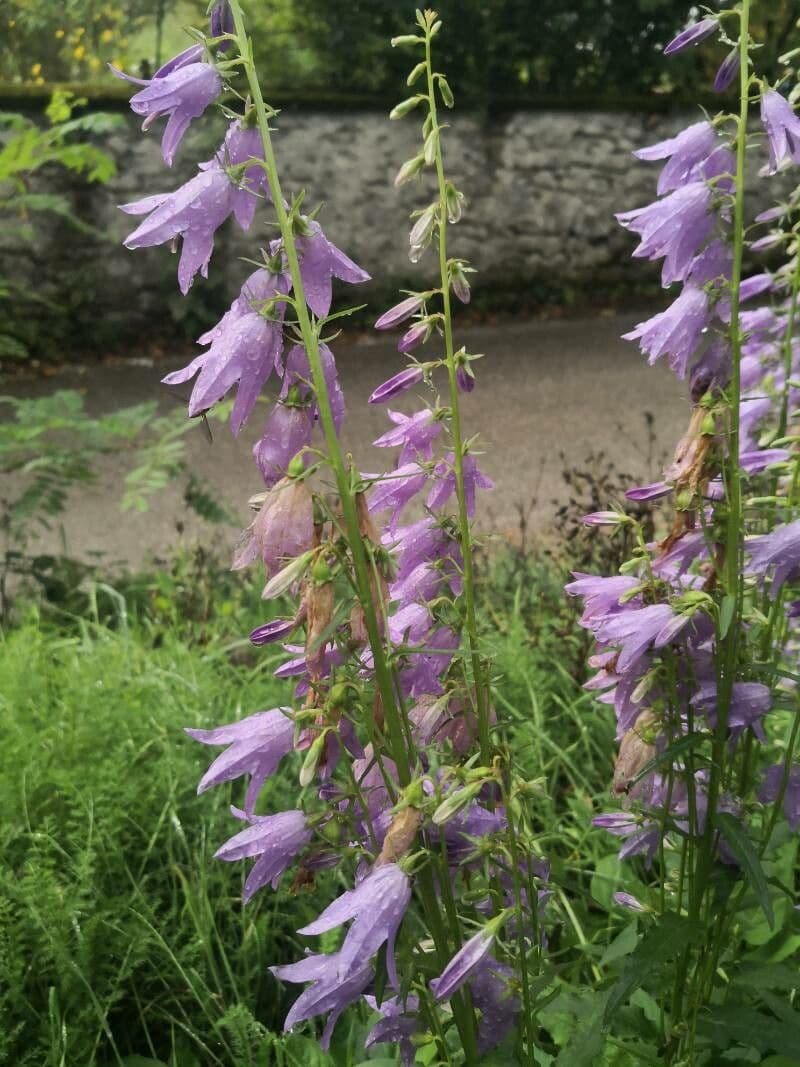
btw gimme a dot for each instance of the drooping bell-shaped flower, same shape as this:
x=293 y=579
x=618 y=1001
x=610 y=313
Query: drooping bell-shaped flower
x=245 y=348
x=320 y=262
x=675 y=228
x=255 y=746
x=275 y=839
x=683 y=153
x=182 y=89
x=676 y=332
x=376 y=907
x=196 y=210
x=782 y=126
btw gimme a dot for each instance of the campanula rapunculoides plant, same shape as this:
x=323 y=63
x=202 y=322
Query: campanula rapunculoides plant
x=403 y=783
x=696 y=641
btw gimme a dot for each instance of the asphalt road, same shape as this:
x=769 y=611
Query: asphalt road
x=549 y=394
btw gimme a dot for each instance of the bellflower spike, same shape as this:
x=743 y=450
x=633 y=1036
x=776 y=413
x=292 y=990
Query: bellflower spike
x=674 y=228
x=182 y=89
x=275 y=839
x=684 y=152
x=691 y=36
x=256 y=745
x=782 y=126
x=377 y=906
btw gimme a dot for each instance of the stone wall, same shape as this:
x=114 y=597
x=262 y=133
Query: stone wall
x=542 y=189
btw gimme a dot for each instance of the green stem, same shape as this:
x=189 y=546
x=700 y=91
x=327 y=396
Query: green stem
x=729 y=644
x=465 y=533
x=343 y=479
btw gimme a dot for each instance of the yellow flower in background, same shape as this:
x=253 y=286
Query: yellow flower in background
x=59 y=34
x=79 y=52
x=36 y=69
x=94 y=63
x=38 y=81
x=106 y=36
x=79 y=32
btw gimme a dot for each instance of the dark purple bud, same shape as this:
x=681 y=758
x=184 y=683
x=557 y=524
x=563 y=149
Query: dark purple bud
x=399 y=383
x=465 y=378
x=272 y=631
x=691 y=36
x=399 y=313
x=221 y=22
x=728 y=70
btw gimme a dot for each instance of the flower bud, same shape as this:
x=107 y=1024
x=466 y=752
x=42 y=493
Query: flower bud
x=406 y=40
x=416 y=73
x=459 y=283
x=446 y=91
x=405 y=106
x=414 y=336
x=454 y=201
x=400 y=836
x=636 y=750
x=422 y=229
x=398 y=383
x=399 y=313
x=314 y=757
x=454 y=802
x=431 y=147
x=410 y=169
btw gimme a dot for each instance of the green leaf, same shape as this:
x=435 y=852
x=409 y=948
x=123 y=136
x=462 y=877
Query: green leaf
x=668 y=937
x=737 y=1022
x=622 y=945
x=726 y=611
x=742 y=847
x=670 y=754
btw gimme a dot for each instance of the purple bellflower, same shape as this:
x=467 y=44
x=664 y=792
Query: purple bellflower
x=245 y=348
x=182 y=89
x=377 y=906
x=782 y=125
x=444 y=485
x=684 y=152
x=329 y=993
x=675 y=332
x=197 y=209
x=776 y=553
x=255 y=746
x=675 y=228
x=771 y=787
x=320 y=262
x=275 y=839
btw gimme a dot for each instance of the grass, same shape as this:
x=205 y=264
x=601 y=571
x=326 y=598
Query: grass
x=122 y=942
